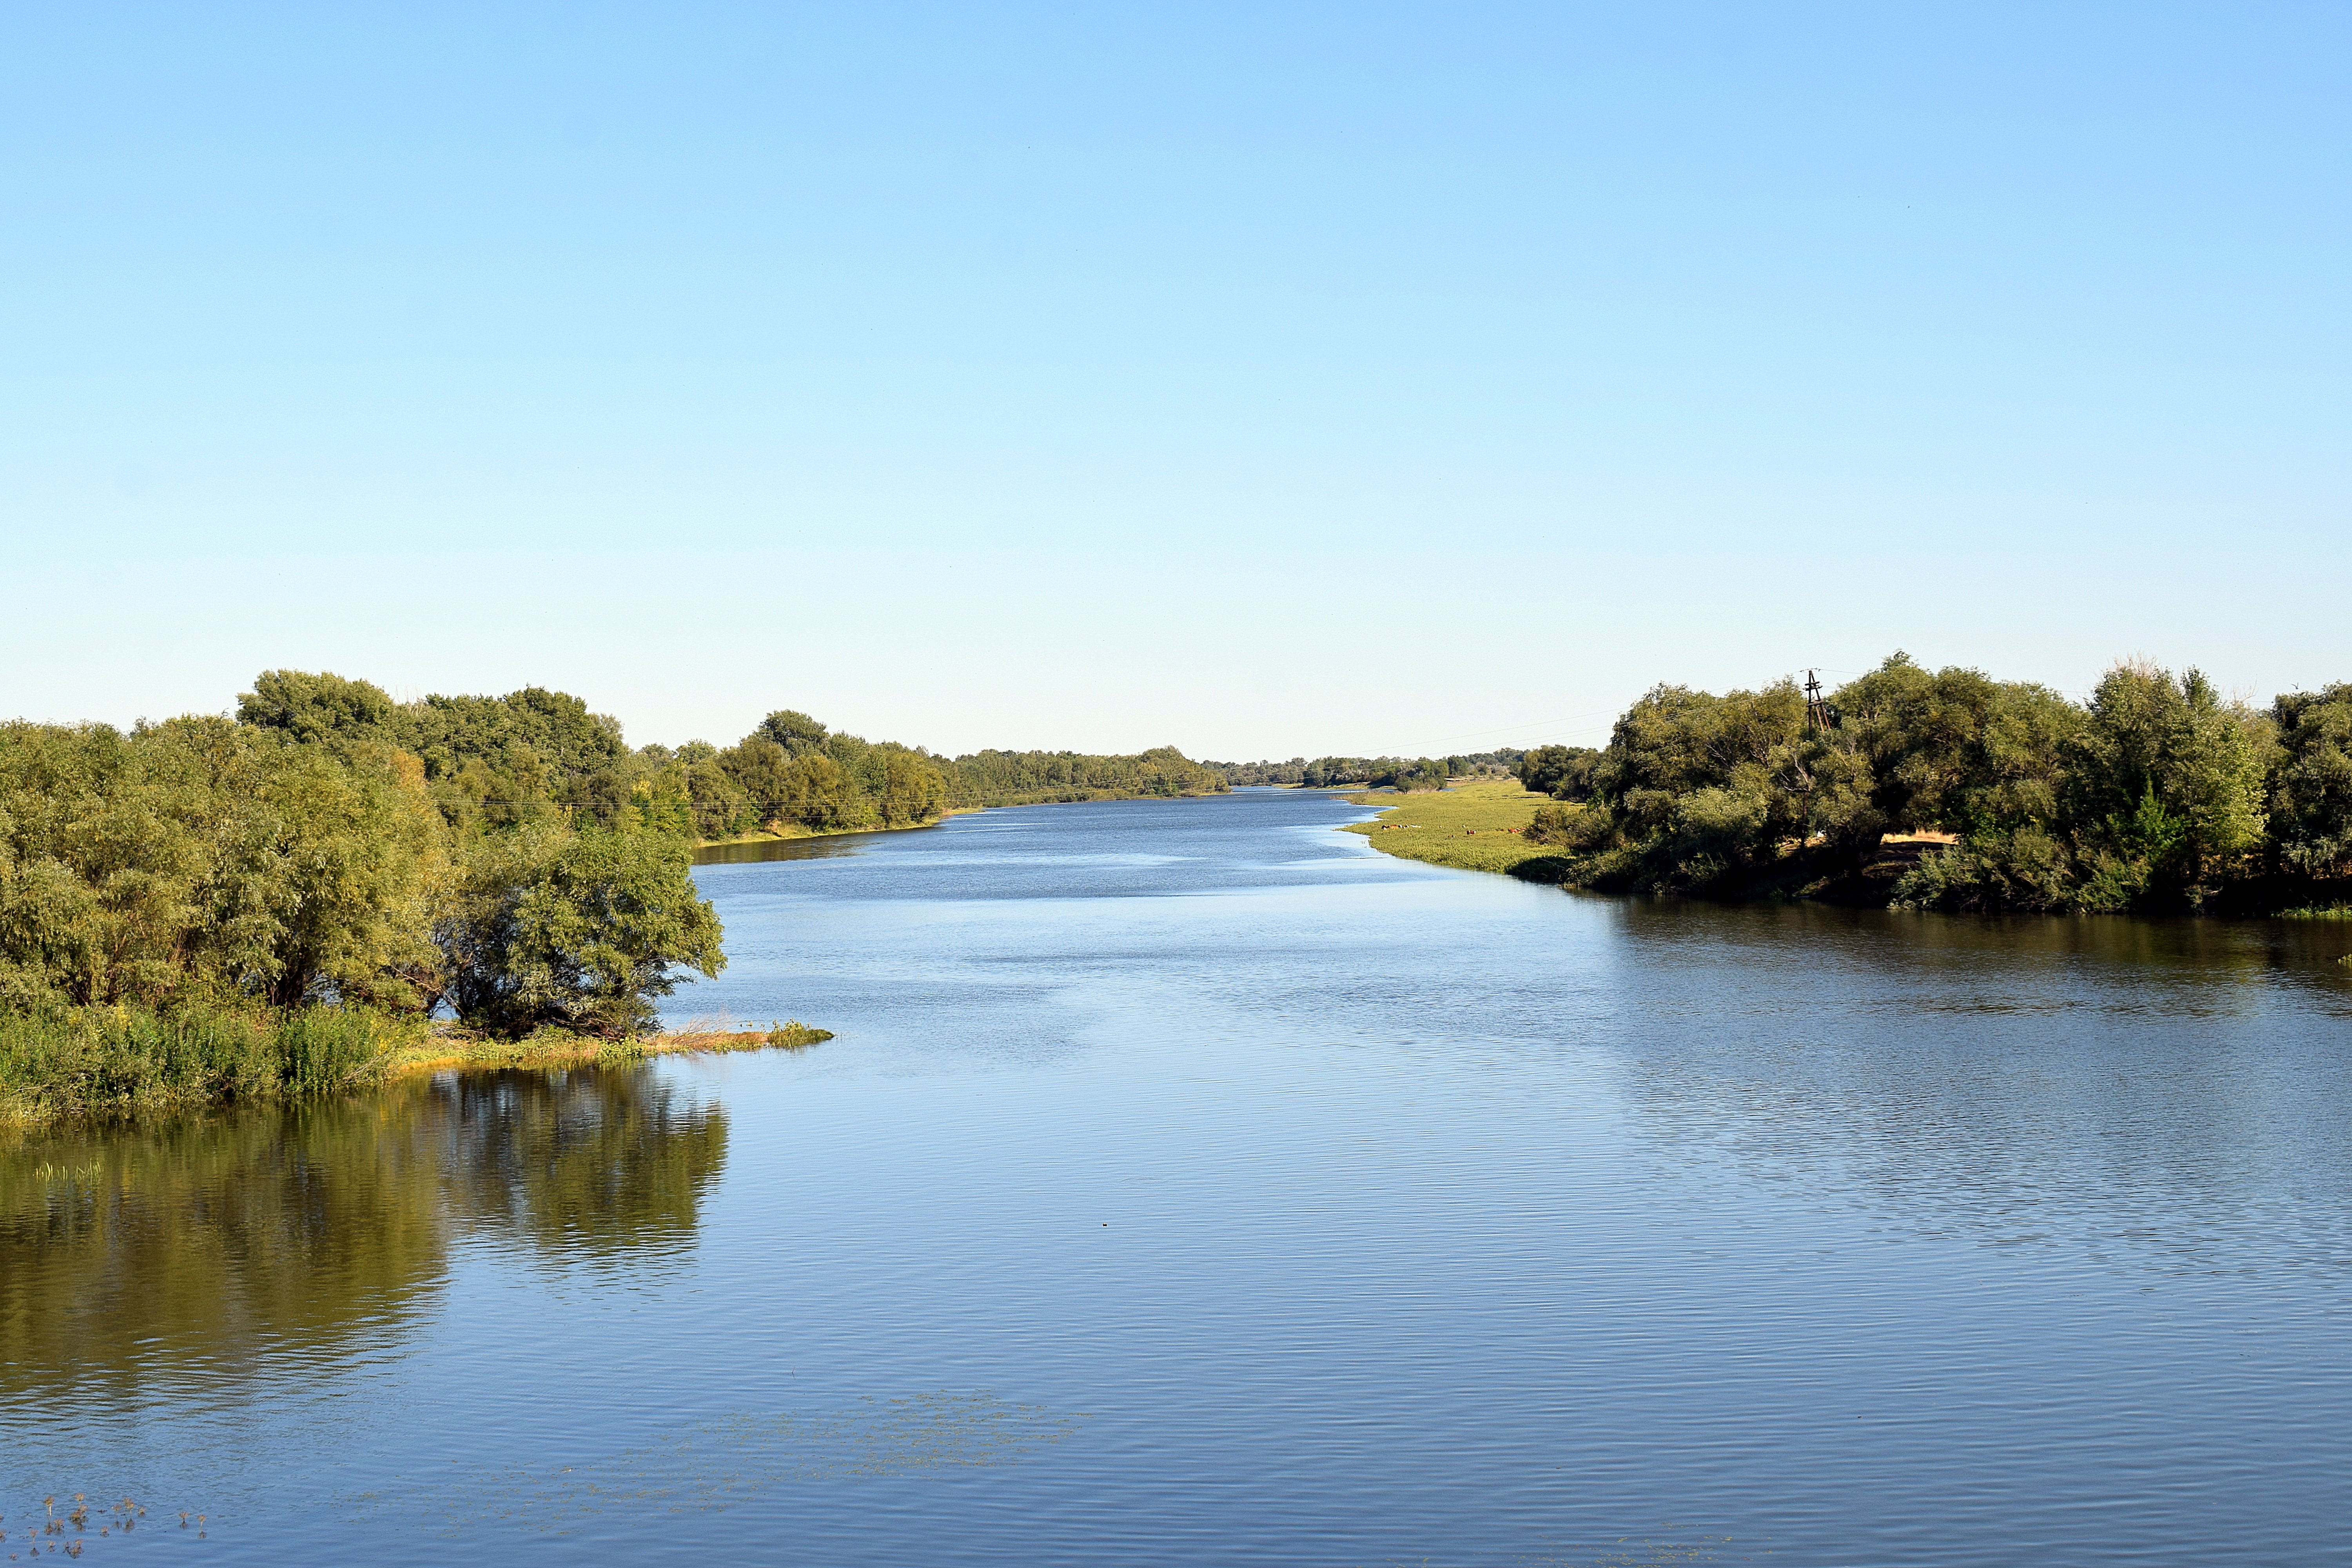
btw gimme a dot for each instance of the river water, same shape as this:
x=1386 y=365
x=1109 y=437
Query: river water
x=1189 y=1183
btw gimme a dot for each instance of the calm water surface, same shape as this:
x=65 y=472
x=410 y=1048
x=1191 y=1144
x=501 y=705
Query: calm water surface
x=1189 y=1183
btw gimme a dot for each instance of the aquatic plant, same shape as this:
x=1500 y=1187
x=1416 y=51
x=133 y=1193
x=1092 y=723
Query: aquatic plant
x=58 y=1061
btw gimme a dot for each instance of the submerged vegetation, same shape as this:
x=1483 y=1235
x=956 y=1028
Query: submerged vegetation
x=1951 y=790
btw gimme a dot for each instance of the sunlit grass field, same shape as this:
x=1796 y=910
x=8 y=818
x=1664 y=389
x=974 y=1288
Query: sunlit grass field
x=1474 y=826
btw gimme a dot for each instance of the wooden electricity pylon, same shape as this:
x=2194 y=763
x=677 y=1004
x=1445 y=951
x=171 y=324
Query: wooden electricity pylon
x=1817 y=708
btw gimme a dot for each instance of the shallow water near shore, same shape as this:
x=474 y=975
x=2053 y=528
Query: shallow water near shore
x=1189 y=1182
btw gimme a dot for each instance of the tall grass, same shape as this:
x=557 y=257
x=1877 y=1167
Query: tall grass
x=61 y=1062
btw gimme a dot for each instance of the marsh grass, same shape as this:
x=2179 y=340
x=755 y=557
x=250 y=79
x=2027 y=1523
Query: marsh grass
x=1473 y=826
x=58 y=1063
x=67 y=1064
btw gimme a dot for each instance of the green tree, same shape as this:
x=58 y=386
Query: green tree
x=797 y=732
x=1698 y=789
x=319 y=709
x=203 y=856
x=720 y=806
x=2164 y=786
x=913 y=791
x=579 y=930
x=2311 y=780
x=1564 y=773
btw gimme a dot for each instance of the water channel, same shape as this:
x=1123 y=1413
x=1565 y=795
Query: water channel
x=1189 y=1183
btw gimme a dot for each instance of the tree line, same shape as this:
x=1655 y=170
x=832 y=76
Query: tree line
x=177 y=899
x=1370 y=772
x=2157 y=792
x=210 y=906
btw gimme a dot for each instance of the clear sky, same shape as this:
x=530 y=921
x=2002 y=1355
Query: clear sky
x=1263 y=379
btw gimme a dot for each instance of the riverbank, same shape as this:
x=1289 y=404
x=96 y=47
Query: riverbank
x=1472 y=826
x=793 y=833
x=556 y=1048
x=1079 y=794
x=1479 y=827
x=126 y=1064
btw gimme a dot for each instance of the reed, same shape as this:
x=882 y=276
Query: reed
x=62 y=1062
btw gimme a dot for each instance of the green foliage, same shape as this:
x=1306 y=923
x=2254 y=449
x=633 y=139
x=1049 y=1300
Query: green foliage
x=1699 y=789
x=1237 y=774
x=58 y=1060
x=1566 y=826
x=1022 y=778
x=1955 y=747
x=2025 y=867
x=2157 y=793
x=1564 y=773
x=1424 y=773
x=911 y=790
x=1400 y=773
x=2310 y=793
x=198 y=909
x=200 y=857
x=323 y=708
x=530 y=755
x=830 y=784
x=795 y=733
x=1328 y=770
x=1324 y=773
x=578 y=931
x=2164 y=788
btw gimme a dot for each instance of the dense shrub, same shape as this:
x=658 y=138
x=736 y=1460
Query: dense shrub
x=2157 y=792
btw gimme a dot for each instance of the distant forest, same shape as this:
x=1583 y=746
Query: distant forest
x=2157 y=793
x=1370 y=772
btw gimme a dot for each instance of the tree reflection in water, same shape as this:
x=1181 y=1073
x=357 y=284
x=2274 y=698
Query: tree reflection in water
x=2165 y=1095
x=272 y=1236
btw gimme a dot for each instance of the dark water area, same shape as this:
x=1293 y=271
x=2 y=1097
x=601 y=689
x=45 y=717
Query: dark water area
x=822 y=847
x=1189 y=1183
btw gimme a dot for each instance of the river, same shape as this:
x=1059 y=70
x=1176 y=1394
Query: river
x=1190 y=1183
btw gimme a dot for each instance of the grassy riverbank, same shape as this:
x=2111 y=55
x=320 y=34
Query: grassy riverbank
x=68 y=1064
x=441 y=1051
x=788 y=832
x=793 y=832
x=1472 y=827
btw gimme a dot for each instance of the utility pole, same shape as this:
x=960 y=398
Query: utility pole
x=1817 y=710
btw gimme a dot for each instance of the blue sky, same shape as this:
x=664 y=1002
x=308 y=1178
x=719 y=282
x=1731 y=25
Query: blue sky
x=1263 y=380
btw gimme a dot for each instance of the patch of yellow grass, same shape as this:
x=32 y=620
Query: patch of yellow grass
x=1474 y=826
x=556 y=1048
